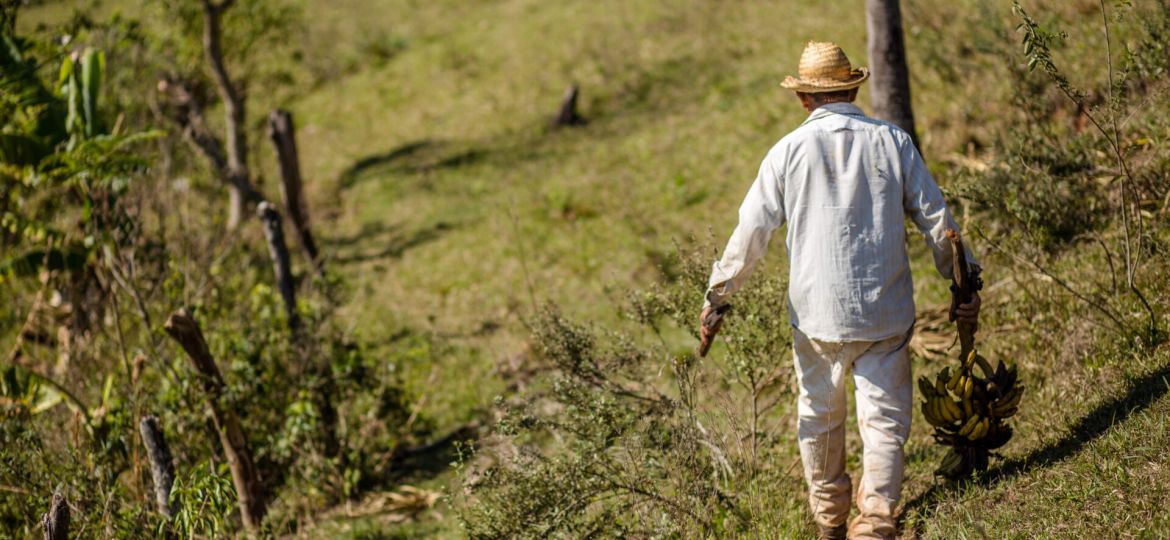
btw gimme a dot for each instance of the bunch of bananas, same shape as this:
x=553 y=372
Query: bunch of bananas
x=969 y=412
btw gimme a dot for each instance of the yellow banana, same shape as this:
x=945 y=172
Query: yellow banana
x=953 y=380
x=953 y=411
x=940 y=409
x=969 y=426
x=940 y=387
x=974 y=435
x=981 y=429
x=968 y=387
x=926 y=413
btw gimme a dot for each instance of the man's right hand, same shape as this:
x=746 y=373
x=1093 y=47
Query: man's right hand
x=710 y=321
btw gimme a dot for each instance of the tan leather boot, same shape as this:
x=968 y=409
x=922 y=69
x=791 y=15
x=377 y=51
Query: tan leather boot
x=831 y=533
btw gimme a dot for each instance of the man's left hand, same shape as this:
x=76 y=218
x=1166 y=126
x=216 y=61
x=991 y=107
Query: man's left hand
x=969 y=312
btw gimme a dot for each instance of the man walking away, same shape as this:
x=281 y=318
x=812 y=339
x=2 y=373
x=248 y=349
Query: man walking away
x=843 y=183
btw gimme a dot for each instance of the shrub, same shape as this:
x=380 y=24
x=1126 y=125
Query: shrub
x=634 y=435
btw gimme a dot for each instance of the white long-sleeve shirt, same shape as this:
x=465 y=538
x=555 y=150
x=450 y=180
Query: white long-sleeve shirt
x=843 y=182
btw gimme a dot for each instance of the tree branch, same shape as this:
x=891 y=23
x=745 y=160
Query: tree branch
x=189 y=118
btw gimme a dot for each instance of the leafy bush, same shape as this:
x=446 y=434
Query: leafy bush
x=96 y=255
x=634 y=436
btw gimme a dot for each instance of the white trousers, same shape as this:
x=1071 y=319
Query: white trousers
x=881 y=374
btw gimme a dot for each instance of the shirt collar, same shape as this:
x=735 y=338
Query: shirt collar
x=840 y=107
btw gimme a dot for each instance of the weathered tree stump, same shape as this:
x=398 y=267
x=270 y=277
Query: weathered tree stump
x=283 y=135
x=181 y=326
x=567 y=115
x=278 y=251
x=162 y=470
x=56 y=521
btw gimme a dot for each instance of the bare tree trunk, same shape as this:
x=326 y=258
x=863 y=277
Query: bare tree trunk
x=278 y=251
x=233 y=106
x=284 y=139
x=56 y=522
x=162 y=470
x=567 y=114
x=181 y=326
x=890 y=89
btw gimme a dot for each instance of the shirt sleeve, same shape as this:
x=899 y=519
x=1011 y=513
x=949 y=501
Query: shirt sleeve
x=923 y=201
x=761 y=213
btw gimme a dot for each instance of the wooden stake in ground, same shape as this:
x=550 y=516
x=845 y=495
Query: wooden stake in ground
x=284 y=139
x=162 y=471
x=181 y=326
x=56 y=522
x=567 y=114
x=278 y=250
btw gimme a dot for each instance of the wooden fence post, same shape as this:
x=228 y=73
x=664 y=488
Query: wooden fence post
x=162 y=470
x=284 y=139
x=278 y=250
x=56 y=522
x=181 y=326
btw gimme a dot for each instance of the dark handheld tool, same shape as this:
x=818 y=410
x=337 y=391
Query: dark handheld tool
x=965 y=283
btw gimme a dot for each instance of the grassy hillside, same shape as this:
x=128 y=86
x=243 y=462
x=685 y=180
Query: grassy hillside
x=452 y=209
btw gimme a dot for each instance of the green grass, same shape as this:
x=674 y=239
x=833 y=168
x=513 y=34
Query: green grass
x=450 y=206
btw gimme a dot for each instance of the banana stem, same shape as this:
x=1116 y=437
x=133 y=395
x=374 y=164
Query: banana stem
x=966 y=339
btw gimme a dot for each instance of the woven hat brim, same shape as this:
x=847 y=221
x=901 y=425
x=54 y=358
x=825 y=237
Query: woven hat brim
x=856 y=78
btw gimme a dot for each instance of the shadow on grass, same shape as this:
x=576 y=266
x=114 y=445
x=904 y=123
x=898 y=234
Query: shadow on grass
x=1141 y=392
x=416 y=156
x=393 y=240
x=428 y=460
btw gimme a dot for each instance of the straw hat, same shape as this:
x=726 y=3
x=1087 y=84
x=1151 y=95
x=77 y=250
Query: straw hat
x=825 y=68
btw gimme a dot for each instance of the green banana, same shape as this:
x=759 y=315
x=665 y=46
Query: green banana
x=985 y=366
x=925 y=387
x=951 y=466
x=1008 y=402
